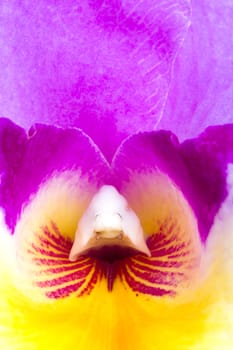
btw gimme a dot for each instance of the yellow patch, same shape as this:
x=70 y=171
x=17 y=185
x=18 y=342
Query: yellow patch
x=118 y=320
x=198 y=319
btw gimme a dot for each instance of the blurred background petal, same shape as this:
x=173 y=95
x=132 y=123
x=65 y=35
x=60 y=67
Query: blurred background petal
x=202 y=87
x=101 y=65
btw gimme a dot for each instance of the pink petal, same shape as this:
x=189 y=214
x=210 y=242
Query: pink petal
x=28 y=160
x=197 y=167
x=100 y=65
x=202 y=90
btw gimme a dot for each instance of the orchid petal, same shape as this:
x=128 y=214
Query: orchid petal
x=152 y=176
x=201 y=92
x=103 y=66
x=197 y=166
x=29 y=159
x=177 y=281
x=48 y=177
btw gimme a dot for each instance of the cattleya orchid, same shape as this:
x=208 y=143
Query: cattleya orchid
x=114 y=234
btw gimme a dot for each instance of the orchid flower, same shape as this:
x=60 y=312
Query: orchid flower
x=115 y=234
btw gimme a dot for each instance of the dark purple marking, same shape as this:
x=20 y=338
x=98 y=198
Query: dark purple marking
x=56 y=263
x=108 y=262
x=65 y=292
x=61 y=268
x=156 y=244
x=48 y=252
x=93 y=280
x=182 y=254
x=82 y=273
x=47 y=243
x=143 y=288
x=52 y=262
x=159 y=277
x=58 y=238
x=167 y=251
x=154 y=262
x=111 y=254
x=110 y=273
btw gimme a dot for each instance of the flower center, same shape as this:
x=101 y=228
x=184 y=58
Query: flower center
x=70 y=242
x=108 y=229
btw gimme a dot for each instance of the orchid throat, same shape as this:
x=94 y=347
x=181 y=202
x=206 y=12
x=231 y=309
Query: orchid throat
x=107 y=223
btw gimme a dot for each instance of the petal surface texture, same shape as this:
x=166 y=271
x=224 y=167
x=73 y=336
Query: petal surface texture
x=201 y=91
x=104 y=66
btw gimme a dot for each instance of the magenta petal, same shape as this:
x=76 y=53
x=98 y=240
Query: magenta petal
x=28 y=159
x=202 y=87
x=198 y=167
x=103 y=66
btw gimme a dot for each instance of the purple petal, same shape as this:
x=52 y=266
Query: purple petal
x=103 y=66
x=197 y=167
x=29 y=159
x=202 y=90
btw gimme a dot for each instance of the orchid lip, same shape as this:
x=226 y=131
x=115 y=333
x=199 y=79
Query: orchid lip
x=107 y=227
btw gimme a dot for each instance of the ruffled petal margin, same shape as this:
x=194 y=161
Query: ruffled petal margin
x=29 y=159
x=197 y=166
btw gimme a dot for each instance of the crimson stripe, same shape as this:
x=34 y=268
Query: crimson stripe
x=51 y=251
x=52 y=262
x=60 y=240
x=66 y=268
x=48 y=244
x=92 y=282
x=64 y=292
x=152 y=266
x=48 y=252
x=168 y=251
x=159 y=236
x=166 y=278
x=153 y=244
x=64 y=279
x=159 y=263
x=180 y=255
x=143 y=288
